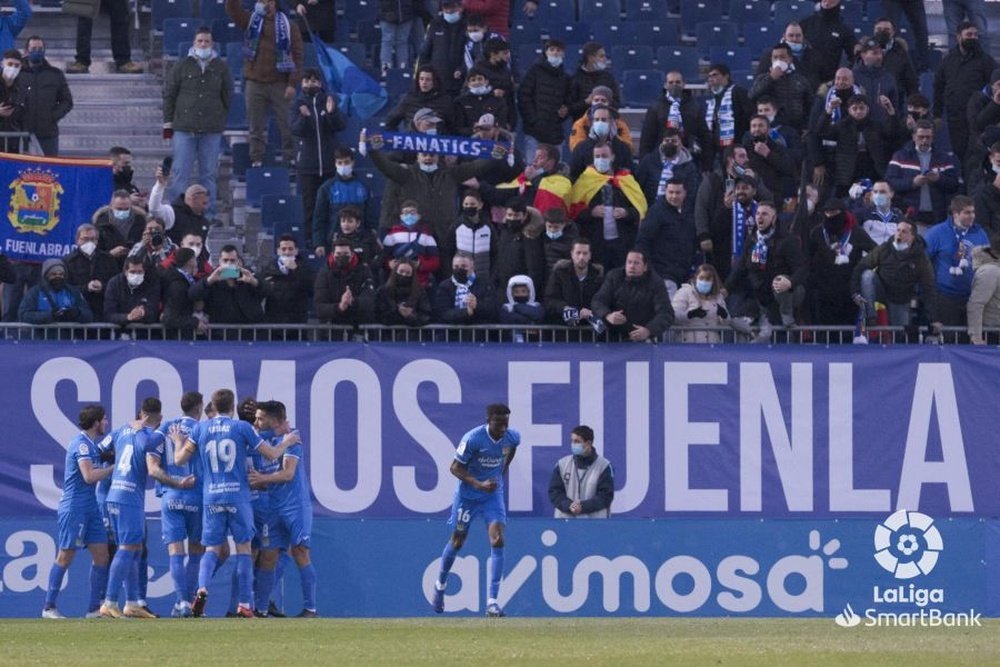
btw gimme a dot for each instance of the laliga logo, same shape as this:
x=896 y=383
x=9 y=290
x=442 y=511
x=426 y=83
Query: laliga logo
x=907 y=544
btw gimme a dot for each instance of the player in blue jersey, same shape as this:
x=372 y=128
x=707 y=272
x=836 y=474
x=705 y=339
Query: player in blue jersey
x=138 y=455
x=78 y=515
x=291 y=502
x=181 y=511
x=224 y=444
x=481 y=461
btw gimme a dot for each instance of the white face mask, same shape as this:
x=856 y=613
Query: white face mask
x=135 y=279
x=10 y=72
x=996 y=169
x=602 y=164
x=88 y=248
x=204 y=54
x=880 y=199
x=555 y=61
x=476 y=36
x=780 y=64
x=428 y=168
x=601 y=128
x=196 y=249
x=900 y=247
x=451 y=17
x=345 y=170
x=479 y=90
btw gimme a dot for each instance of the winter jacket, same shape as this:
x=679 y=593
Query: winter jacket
x=519 y=251
x=983 y=309
x=784 y=258
x=777 y=171
x=446 y=311
x=542 y=92
x=959 y=77
x=239 y=303
x=878 y=136
x=332 y=196
x=807 y=63
x=186 y=221
x=694 y=131
x=566 y=289
x=444 y=50
x=416 y=243
x=583 y=82
x=476 y=237
x=197 y=99
x=43 y=305
x=288 y=293
x=792 y=92
x=316 y=134
x=438 y=101
x=900 y=272
x=699 y=327
x=365 y=244
x=897 y=62
x=743 y=110
x=112 y=234
x=120 y=299
x=667 y=237
x=583 y=157
x=331 y=282
x=263 y=69
x=580 y=131
x=877 y=81
x=905 y=166
x=685 y=168
x=643 y=300
x=178 y=308
x=557 y=250
x=469 y=107
x=81 y=270
x=14 y=96
x=830 y=270
x=530 y=312
x=988 y=207
x=388 y=298
x=826 y=32
x=47 y=98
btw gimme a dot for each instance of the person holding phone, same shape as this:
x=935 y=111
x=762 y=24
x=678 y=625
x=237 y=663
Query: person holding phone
x=187 y=213
x=232 y=294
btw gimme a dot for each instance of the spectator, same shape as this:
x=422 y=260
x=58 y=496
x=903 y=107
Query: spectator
x=671 y=161
x=153 y=247
x=829 y=106
x=47 y=99
x=863 y=143
x=896 y=58
x=288 y=282
x=315 y=120
x=401 y=301
x=185 y=214
x=464 y=298
x=971 y=11
x=826 y=32
x=499 y=171
x=519 y=246
x=476 y=34
x=983 y=308
x=343 y=189
x=786 y=137
x=427 y=93
x=783 y=83
x=730 y=222
x=770 y=275
x=194 y=242
x=835 y=247
x=88 y=268
x=988 y=195
x=179 y=314
x=633 y=301
x=727 y=112
x=916 y=16
x=607 y=206
x=344 y=288
x=667 y=237
x=878 y=82
x=677 y=109
x=918 y=108
x=769 y=160
x=700 y=308
x=582 y=484
x=603 y=125
x=961 y=75
x=922 y=176
x=880 y=217
x=572 y=286
x=804 y=56
x=543 y=98
x=897 y=274
x=557 y=242
x=949 y=247
x=543 y=184
x=121 y=167
x=132 y=296
x=411 y=239
x=593 y=71
x=581 y=130
x=472 y=234
x=11 y=24
x=495 y=14
x=478 y=100
x=271 y=71
x=196 y=98
x=521 y=307
x=364 y=242
x=121 y=45
x=12 y=99
x=322 y=16
x=444 y=46
x=52 y=300
x=395 y=22
x=496 y=64
x=119 y=226
x=231 y=293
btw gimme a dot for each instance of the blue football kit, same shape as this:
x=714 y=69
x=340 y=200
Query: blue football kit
x=180 y=509
x=484 y=458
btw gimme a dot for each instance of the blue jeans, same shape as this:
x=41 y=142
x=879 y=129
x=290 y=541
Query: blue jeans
x=872 y=291
x=955 y=11
x=396 y=38
x=188 y=148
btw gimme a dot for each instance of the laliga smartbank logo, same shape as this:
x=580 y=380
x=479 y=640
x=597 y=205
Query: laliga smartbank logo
x=907 y=545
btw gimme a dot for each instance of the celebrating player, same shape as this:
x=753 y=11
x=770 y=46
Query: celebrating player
x=268 y=537
x=481 y=460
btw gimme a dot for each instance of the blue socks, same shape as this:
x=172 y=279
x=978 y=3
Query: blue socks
x=494 y=570
x=132 y=578
x=121 y=565
x=244 y=571
x=142 y=570
x=207 y=568
x=308 y=574
x=447 y=560
x=234 y=589
x=56 y=575
x=98 y=585
x=191 y=575
x=177 y=576
x=263 y=584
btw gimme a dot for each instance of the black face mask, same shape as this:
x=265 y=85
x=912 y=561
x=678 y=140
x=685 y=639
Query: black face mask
x=310 y=90
x=669 y=150
x=514 y=224
x=460 y=275
x=521 y=299
x=57 y=283
x=341 y=262
x=882 y=37
x=835 y=224
x=470 y=212
x=125 y=173
x=970 y=45
x=404 y=282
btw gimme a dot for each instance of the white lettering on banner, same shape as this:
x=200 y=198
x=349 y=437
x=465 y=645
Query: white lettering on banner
x=24 y=573
x=743 y=593
x=323 y=445
x=679 y=435
x=843 y=496
x=792 y=455
x=935 y=391
x=216 y=374
x=22 y=247
x=521 y=378
x=592 y=402
x=636 y=466
x=425 y=433
x=275 y=382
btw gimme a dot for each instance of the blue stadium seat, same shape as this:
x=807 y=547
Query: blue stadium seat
x=853 y=15
x=263 y=181
x=184 y=47
x=934 y=58
x=373 y=178
x=224 y=30
x=874 y=10
x=641 y=87
x=364 y=10
x=631 y=57
x=737 y=57
x=275 y=209
x=525 y=56
x=234 y=58
x=684 y=59
x=926 y=85
x=749 y=11
x=643 y=10
x=237 y=118
x=574 y=53
x=169 y=9
x=344 y=32
x=716 y=33
x=398 y=82
x=600 y=11
x=762 y=35
x=241 y=160
x=554 y=11
x=297 y=230
x=694 y=12
x=348 y=137
x=179 y=30
x=526 y=32
x=790 y=11
x=742 y=77
x=355 y=52
x=309 y=57
x=665 y=32
x=211 y=10
x=569 y=33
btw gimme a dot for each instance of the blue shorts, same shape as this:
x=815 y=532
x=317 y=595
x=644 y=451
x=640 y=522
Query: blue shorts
x=268 y=531
x=109 y=530
x=78 y=529
x=296 y=523
x=220 y=520
x=464 y=510
x=128 y=522
x=180 y=519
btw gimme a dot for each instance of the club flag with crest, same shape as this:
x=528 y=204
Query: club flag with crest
x=360 y=95
x=47 y=199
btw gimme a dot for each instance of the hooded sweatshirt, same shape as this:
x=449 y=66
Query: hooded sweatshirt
x=530 y=312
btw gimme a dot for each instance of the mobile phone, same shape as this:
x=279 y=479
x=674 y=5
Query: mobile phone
x=167 y=164
x=229 y=272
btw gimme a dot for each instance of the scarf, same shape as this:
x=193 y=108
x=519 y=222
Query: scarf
x=740 y=221
x=963 y=248
x=759 y=253
x=830 y=94
x=841 y=247
x=666 y=174
x=462 y=290
x=674 y=114
x=725 y=116
x=282 y=40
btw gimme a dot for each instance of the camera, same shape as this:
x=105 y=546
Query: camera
x=156 y=240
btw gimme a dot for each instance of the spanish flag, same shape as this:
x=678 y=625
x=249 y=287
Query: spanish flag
x=591 y=181
x=553 y=191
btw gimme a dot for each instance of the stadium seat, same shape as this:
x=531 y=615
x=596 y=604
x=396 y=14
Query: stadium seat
x=169 y=9
x=234 y=58
x=224 y=30
x=526 y=32
x=184 y=47
x=926 y=85
x=526 y=56
x=364 y=10
x=278 y=209
x=600 y=11
x=749 y=11
x=569 y=33
x=761 y=35
x=179 y=30
x=398 y=83
x=790 y=11
x=665 y=32
x=694 y=12
x=373 y=178
x=737 y=57
x=241 y=160
x=212 y=10
x=742 y=77
x=237 y=118
x=716 y=33
x=852 y=14
x=295 y=229
x=643 y=10
x=631 y=57
x=641 y=87
x=263 y=181
x=684 y=59
x=555 y=11
x=309 y=57
x=355 y=53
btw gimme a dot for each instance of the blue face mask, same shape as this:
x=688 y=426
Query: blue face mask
x=703 y=286
x=795 y=48
x=577 y=448
x=554 y=235
x=410 y=219
x=36 y=56
x=428 y=168
x=452 y=17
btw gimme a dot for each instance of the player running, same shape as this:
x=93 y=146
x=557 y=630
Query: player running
x=481 y=460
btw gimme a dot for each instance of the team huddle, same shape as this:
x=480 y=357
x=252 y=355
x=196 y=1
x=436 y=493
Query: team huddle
x=216 y=478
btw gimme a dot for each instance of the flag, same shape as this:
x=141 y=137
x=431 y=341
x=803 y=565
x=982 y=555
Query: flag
x=591 y=181
x=359 y=94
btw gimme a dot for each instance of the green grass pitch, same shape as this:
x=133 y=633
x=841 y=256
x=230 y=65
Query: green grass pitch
x=472 y=641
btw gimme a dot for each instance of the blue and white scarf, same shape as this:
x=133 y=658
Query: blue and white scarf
x=727 y=119
x=742 y=220
x=835 y=114
x=759 y=253
x=841 y=248
x=963 y=250
x=282 y=40
x=674 y=113
x=665 y=175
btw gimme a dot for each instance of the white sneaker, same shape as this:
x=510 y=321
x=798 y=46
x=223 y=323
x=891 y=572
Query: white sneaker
x=51 y=613
x=93 y=614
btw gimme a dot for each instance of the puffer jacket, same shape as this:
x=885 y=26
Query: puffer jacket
x=544 y=89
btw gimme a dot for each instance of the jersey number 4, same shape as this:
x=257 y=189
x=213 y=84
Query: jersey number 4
x=125 y=463
x=221 y=454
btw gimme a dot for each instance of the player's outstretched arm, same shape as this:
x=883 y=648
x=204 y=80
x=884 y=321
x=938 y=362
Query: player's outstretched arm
x=92 y=475
x=273 y=452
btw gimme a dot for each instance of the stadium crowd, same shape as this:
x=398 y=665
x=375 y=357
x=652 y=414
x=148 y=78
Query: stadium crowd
x=827 y=191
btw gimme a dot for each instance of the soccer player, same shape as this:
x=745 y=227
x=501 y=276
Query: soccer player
x=180 y=510
x=223 y=445
x=481 y=460
x=293 y=505
x=78 y=515
x=138 y=455
x=268 y=538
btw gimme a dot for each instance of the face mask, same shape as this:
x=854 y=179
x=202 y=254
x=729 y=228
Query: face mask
x=260 y=8
x=452 y=17
x=310 y=90
x=717 y=89
x=345 y=170
x=480 y=90
x=770 y=118
x=428 y=168
x=703 y=286
x=674 y=91
x=521 y=299
x=341 y=261
x=204 y=54
x=996 y=169
x=900 y=247
x=196 y=249
x=431 y=131
x=669 y=151
x=880 y=199
x=10 y=72
x=577 y=449
x=284 y=260
x=601 y=127
x=835 y=223
x=810 y=205
x=403 y=281
x=460 y=275
x=122 y=215
x=410 y=219
x=514 y=223
x=555 y=61
x=135 y=279
x=470 y=211
x=602 y=164
x=780 y=64
x=476 y=36
x=970 y=44
x=88 y=248
x=554 y=235
x=36 y=56
x=126 y=172
x=882 y=37
x=57 y=283
x=600 y=65
x=795 y=48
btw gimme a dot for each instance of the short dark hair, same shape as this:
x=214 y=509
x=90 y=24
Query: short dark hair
x=676 y=180
x=203 y=30
x=641 y=253
x=516 y=204
x=229 y=247
x=909 y=223
x=584 y=432
x=121 y=193
x=133 y=260
x=963 y=26
x=781 y=46
x=288 y=237
x=247 y=409
x=275 y=409
x=918 y=100
x=12 y=53
x=312 y=73
x=960 y=202
x=223 y=400
x=497 y=409
x=343 y=153
x=349 y=211
x=553 y=43
x=341 y=241
x=923 y=125
x=90 y=415
x=885 y=19
x=191 y=400
x=39 y=38
x=581 y=240
x=475 y=194
x=721 y=68
x=116 y=151
x=767 y=99
x=768 y=203
x=152 y=406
